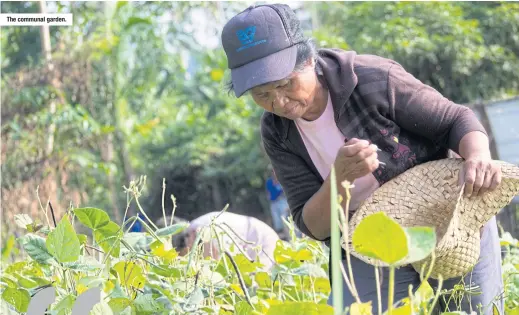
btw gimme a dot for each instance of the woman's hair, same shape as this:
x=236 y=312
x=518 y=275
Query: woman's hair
x=305 y=51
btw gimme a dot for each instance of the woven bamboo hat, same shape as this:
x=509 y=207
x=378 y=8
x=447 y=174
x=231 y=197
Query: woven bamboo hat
x=429 y=195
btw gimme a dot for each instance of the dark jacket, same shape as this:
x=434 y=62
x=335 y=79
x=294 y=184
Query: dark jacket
x=373 y=99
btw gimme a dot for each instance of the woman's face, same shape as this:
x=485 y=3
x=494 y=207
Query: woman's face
x=292 y=97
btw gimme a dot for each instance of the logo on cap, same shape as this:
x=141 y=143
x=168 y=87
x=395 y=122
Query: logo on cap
x=246 y=37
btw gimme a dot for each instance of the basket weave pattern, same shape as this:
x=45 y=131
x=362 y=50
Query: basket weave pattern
x=429 y=195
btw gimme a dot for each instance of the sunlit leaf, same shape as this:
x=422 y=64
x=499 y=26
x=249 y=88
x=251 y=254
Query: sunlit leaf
x=22 y=220
x=300 y=308
x=18 y=298
x=101 y=308
x=130 y=274
x=242 y=308
x=361 y=309
x=92 y=217
x=63 y=243
x=109 y=238
x=378 y=236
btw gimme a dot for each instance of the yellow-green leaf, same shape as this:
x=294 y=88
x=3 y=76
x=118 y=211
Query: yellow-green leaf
x=263 y=279
x=119 y=304
x=18 y=298
x=92 y=217
x=109 y=238
x=158 y=249
x=300 y=308
x=63 y=243
x=403 y=310
x=361 y=309
x=380 y=237
x=129 y=274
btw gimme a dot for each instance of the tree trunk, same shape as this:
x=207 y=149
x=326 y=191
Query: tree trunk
x=46 y=52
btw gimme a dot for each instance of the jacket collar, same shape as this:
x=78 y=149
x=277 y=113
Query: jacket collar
x=335 y=70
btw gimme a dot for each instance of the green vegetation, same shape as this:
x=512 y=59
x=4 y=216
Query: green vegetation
x=139 y=273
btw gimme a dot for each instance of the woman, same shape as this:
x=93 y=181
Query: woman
x=260 y=239
x=355 y=112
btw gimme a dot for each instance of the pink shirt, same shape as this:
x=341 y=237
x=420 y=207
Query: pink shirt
x=323 y=139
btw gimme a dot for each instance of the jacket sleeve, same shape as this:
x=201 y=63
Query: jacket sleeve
x=299 y=183
x=422 y=110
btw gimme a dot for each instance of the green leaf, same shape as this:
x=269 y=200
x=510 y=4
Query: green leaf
x=26 y=282
x=172 y=229
x=132 y=21
x=108 y=237
x=35 y=246
x=18 y=298
x=380 y=237
x=120 y=4
x=119 y=304
x=91 y=282
x=146 y=304
x=242 y=308
x=129 y=274
x=92 y=217
x=263 y=280
x=65 y=304
x=82 y=239
x=300 y=308
x=101 y=308
x=63 y=242
x=167 y=271
x=9 y=280
x=22 y=220
x=422 y=241
x=196 y=297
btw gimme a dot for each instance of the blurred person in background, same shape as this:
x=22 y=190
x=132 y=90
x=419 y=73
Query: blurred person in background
x=337 y=108
x=278 y=204
x=254 y=237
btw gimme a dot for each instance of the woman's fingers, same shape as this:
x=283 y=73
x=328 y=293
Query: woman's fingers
x=352 y=148
x=480 y=176
x=478 y=182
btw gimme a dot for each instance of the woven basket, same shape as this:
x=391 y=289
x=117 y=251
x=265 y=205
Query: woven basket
x=429 y=195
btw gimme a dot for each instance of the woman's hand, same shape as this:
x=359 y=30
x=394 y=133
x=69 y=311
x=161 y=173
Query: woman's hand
x=480 y=175
x=355 y=159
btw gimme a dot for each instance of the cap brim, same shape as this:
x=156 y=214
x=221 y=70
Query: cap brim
x=272 y=68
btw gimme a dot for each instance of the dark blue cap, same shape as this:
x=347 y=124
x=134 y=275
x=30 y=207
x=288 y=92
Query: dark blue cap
x=260 y=45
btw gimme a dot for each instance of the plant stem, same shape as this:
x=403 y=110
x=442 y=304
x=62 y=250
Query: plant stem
x=438 y=291
x=163 y=208
x=379 y=294
x=335 y=256
x=240 y=279
x=144 y=213
x=391 y=290
x=343 y=218
x=173 y=210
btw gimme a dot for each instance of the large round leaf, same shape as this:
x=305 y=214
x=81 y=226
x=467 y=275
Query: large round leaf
x=380 y=237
